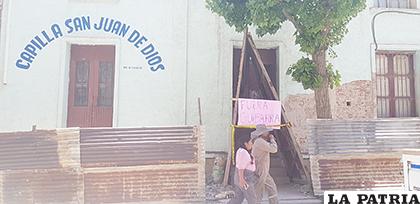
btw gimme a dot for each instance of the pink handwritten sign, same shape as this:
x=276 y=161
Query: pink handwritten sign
x=254 y=112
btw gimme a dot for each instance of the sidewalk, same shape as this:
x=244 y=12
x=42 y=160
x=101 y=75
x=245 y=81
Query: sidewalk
x=292 y=195
x=289 y=194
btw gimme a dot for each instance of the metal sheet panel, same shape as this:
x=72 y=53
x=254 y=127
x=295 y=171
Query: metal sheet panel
x=356 y=172
x=102 y=165
x=42 y=186
x=142 y=164
x=342 y=137
x=360 y=155
x=143 y=185
x=137 y=146
x=41 y=149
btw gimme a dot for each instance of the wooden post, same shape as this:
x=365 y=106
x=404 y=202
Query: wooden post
x=235 y=104
x=199 y=111
x=274 y=92
x=238 y=86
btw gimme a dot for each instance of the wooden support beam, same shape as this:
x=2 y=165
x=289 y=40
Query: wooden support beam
x=257 y=56
x=240 y=75
x=235 y=106
x=275 y=94
x=296 y=148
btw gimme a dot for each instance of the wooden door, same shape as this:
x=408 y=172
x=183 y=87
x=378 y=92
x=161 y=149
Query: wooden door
x=91 y=88
x=283 y=166
x=252 y=83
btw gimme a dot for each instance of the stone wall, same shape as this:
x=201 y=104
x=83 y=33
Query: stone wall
x=354 y=100
x=215 y=167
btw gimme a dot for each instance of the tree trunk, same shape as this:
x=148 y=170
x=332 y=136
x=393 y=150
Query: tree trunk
x=322 y=97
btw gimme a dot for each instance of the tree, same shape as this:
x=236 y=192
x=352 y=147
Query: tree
x=319 y=24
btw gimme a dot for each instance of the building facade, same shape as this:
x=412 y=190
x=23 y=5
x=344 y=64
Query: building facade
x=124 y=63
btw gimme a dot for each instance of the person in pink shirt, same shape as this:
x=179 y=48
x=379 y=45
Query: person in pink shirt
x=245 y=178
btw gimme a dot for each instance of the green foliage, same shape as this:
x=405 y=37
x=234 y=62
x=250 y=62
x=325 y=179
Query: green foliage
x=236 y=12
x=320 y=24
x=334 y=77
x=304 y=72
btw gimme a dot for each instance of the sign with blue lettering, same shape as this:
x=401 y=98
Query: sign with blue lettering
x=84 y=23
x=415 y=166
x=411 y=165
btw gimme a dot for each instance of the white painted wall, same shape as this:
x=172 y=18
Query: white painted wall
x=196 y=46
x=39 y=95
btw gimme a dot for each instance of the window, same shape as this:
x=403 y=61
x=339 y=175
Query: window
x=395 y=85
x=410 y=4
x=82 y=83
x=106 y=84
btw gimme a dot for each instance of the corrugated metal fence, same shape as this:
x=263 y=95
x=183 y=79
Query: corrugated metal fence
x=111 y=165
x=360 y=155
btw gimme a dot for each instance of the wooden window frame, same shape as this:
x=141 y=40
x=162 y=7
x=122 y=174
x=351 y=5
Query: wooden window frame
x=391 y=75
